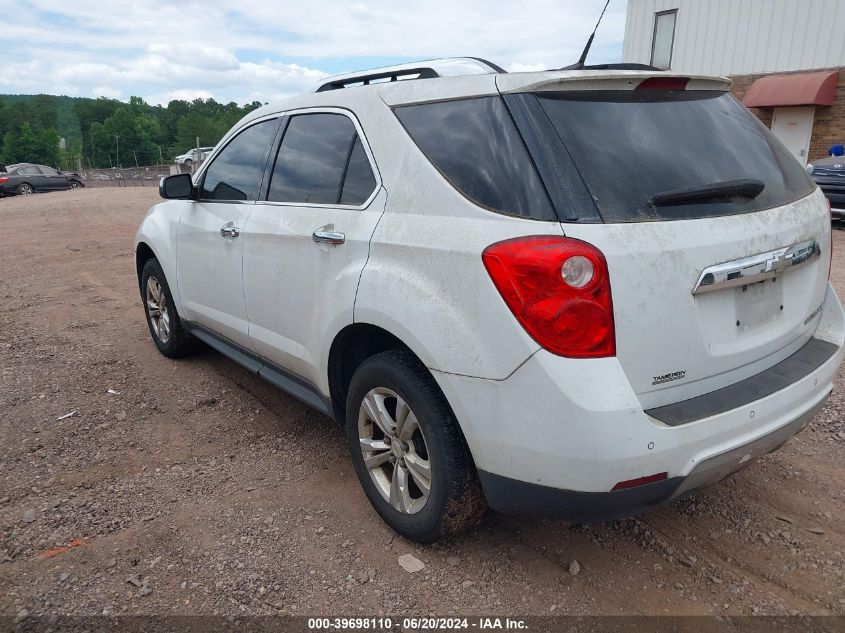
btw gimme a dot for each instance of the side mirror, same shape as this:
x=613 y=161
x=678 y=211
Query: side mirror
x=176 y=187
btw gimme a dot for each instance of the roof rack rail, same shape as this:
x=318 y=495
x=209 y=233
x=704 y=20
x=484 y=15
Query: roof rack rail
x=446 y=67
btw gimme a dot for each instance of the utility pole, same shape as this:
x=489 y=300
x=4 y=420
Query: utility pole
x=137 y=168
x=160 y=159
x=117 y=147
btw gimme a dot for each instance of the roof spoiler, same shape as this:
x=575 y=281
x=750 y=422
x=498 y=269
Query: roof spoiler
x=621 y=66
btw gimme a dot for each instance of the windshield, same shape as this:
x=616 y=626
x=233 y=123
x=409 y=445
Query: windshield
x=629 y=147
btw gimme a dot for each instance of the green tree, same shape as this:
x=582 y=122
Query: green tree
x=21 y=145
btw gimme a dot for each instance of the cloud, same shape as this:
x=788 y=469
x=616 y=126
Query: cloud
x=178 y=95
x=199 y=56
x=256 y=51
x=516 y=67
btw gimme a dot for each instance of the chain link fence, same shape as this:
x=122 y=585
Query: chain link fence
x=145 y=176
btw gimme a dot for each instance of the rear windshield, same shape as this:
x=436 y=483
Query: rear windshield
x=629 y=147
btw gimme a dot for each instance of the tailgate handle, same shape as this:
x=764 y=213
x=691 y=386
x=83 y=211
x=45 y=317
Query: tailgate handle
x=749 y=270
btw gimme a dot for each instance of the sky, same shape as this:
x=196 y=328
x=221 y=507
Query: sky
x=266 y=51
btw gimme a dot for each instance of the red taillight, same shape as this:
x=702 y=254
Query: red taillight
x=571 y=318
x=641 y=481
x=664 y=83
x=2 y=180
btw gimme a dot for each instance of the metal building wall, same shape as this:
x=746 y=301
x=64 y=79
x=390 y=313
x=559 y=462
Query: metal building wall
x=737 y=37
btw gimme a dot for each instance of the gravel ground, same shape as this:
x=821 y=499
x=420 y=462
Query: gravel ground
x=133 y=484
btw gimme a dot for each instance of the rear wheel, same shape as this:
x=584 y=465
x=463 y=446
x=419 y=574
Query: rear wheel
x=169 y=336
x=25 y=189
x=408 y=450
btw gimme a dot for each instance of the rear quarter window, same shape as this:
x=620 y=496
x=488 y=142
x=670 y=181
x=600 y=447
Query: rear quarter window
x=476 y=146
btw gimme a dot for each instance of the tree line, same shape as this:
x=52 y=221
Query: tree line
x=73 y=132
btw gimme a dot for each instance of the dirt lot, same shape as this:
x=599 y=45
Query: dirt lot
x=198 y=488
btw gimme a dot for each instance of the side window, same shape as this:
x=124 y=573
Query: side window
x=315 y=154
x=476 y=146
x=47 y=171
x=236 y=172
x=359 y=181
x=28 y=171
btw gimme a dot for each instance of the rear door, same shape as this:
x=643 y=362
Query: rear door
x=32 y=175
x=307 y=243
x=717 y=242
x=53 y=180
x=209 y=242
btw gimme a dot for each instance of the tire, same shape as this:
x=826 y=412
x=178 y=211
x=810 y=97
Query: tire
x=25 y=189
x=75 y=184
x=169 y=336
x=427 y=435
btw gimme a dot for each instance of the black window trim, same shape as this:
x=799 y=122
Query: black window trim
x=654 y=35
x=288 y=115
x=199 y=178
x=569 y=194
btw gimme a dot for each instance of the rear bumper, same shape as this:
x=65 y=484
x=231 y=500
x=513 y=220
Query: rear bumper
x=557 y=435
x=518 y=497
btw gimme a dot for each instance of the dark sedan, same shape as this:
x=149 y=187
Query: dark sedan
x=829 y=174
x=26 y=178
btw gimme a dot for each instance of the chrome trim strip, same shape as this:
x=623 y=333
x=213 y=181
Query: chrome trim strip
x=749 y=270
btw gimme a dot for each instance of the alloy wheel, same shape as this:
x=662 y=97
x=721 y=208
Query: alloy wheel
x=25 y=189
x=394 y=450
x=157 y=309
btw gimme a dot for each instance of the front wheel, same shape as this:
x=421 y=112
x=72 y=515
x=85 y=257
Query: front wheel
x=169 y=336
x=408 y=451
x=75 y=185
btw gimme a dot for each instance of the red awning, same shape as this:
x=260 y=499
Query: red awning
x=793 y=90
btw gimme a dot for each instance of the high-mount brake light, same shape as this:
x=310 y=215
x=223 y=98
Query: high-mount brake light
x=558 y=288
x=664 y=83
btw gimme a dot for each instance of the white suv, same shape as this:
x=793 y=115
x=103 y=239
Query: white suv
x=580 y=293
x=195 y=155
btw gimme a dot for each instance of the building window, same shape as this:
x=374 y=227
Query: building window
x=664 y=38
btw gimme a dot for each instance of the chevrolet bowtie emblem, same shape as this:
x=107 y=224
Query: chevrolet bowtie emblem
x=749 y=270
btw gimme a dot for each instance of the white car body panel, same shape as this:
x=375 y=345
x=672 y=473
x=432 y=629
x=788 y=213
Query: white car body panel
x=299 y=294
x=209 y=269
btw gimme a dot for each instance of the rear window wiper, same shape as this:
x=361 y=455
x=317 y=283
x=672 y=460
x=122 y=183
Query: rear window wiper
x=725 y=190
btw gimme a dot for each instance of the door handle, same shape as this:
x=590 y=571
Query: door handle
x=327 y=235
x=227 y=230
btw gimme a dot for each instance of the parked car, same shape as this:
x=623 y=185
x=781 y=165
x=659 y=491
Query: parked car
x=196 y=155
x=26 y=178
x=578 y=292
x=829 y=175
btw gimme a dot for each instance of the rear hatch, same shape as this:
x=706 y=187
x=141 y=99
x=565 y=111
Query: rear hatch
x=717 y=241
